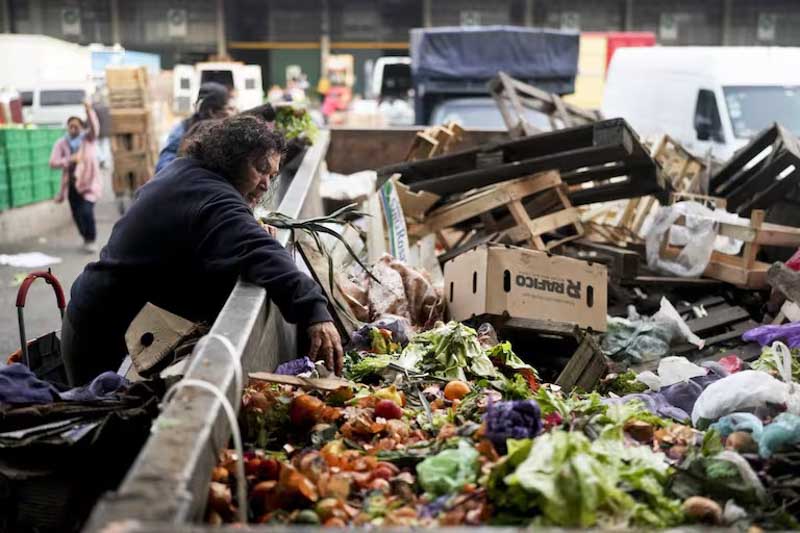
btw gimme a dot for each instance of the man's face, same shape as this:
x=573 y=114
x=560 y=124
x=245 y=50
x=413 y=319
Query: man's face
x=259 y=174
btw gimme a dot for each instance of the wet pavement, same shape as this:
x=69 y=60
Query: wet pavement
x=41 y=313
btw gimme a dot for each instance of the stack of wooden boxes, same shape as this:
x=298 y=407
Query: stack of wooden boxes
x=132 y=141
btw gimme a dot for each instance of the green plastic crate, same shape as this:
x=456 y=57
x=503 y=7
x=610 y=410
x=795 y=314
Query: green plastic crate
x=5 y=199
x=41 y=153
x=14 y=137
x=41 y=173
x=38 y=136
x=16 y=156
x=20 y=175
x=42 y=191
x=21 y=196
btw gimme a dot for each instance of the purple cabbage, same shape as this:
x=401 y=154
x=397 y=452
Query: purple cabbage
x=517 y=419
x=295 y=367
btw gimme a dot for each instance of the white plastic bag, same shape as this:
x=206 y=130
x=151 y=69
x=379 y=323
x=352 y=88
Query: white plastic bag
x=698 y=236
x=671 y=370
x=749 y=389
x=742 y=391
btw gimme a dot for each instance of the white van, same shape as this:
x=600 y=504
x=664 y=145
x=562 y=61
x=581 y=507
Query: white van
x=244 y=80
x=51 y=104
x=713 y=98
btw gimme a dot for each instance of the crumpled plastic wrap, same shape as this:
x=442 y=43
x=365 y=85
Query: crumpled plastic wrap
x=403 y=291
x=698 y=237
x=764 y=335
x=646 y=339
x=782 y=433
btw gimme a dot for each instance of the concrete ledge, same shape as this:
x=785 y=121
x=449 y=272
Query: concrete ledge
x=20 y=223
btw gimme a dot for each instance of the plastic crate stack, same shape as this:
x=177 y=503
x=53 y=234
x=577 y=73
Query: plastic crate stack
x=25 y=173
x=131 y=129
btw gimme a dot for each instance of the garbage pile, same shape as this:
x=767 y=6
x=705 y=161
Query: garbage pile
x=448 y=427
x=620 y=351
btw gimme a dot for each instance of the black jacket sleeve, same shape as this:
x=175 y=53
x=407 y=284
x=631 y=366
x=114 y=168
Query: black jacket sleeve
x=231 y=240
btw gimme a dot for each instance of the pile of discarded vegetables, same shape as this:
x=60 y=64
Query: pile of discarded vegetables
x=449 y=427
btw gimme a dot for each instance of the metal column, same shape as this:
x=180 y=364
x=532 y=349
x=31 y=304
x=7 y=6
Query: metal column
x=628 y=15
x=727 y=25
x=222 y=45
x=427 y=13
x=116 y=38
x=528 y=15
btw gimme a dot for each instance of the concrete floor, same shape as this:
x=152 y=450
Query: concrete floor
x=41 y=313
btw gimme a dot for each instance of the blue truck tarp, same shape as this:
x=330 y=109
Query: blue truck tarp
x=461 y=60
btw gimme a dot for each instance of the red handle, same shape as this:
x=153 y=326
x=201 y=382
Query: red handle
x=51 y=280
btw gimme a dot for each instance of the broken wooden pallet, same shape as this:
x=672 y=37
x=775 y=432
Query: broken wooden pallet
x=434 y=141
x=760 y=174
x=484 y=204
x=516 y=100
x=682 y=169
x=745 y=270
x=605 y=158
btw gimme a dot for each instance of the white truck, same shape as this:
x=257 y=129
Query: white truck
x=53 y=77
x=243 y=80
x=707 y=98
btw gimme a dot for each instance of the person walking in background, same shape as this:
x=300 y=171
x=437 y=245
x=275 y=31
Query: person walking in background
x=76 y=155
x=213 y=101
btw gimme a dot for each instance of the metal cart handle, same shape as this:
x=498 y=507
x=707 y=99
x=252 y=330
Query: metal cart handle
x=22 y=295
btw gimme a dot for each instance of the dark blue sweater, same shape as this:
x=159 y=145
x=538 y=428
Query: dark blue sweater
x=184 y=242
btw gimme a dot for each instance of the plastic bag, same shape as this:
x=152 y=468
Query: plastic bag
x=671 y=370
x=763 y=335
x=782 y=433
x=694 y=257
x=448 y=471
x=731 y=363
x=646 y=339
x=746 y=472
x=743 y=391
x=739 y=422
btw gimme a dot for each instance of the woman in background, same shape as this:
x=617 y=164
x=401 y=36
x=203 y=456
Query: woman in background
x=76 y=155
x=213 y=102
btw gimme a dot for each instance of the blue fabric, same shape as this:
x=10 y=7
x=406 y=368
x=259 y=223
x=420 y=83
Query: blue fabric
x=478 y=53
x=75 y=142
x=18 y=385
x=103 y=386
x=170 y=151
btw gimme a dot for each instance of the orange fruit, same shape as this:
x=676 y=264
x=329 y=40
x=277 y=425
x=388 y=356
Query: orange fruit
x=455 y=390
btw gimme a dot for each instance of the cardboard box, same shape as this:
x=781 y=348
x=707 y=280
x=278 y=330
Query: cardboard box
x=520 y=283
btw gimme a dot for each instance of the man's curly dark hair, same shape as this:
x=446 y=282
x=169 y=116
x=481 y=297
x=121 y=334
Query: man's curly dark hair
x=226 y=146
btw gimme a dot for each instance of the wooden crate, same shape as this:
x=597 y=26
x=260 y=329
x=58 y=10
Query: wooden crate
x=435 y=141
x=130 y=142
x=125 y=121
x=744 y=270
x=126 y=78
x=517 y=225
x=683 y=171
x=516 y=99
x=128 y=98
x=131 y=171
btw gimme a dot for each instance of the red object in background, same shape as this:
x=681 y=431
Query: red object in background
x=623 y=39
x=794 y=261
x=731 y=363
x=627 y=39
x=10 y=108
x=336 y=99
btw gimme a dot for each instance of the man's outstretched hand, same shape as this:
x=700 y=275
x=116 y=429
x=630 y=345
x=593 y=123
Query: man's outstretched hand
x=326 y=344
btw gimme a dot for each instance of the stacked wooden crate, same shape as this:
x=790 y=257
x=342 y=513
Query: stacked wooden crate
x=132 y=140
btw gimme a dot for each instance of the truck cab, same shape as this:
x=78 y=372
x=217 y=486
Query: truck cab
x=243 y=80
